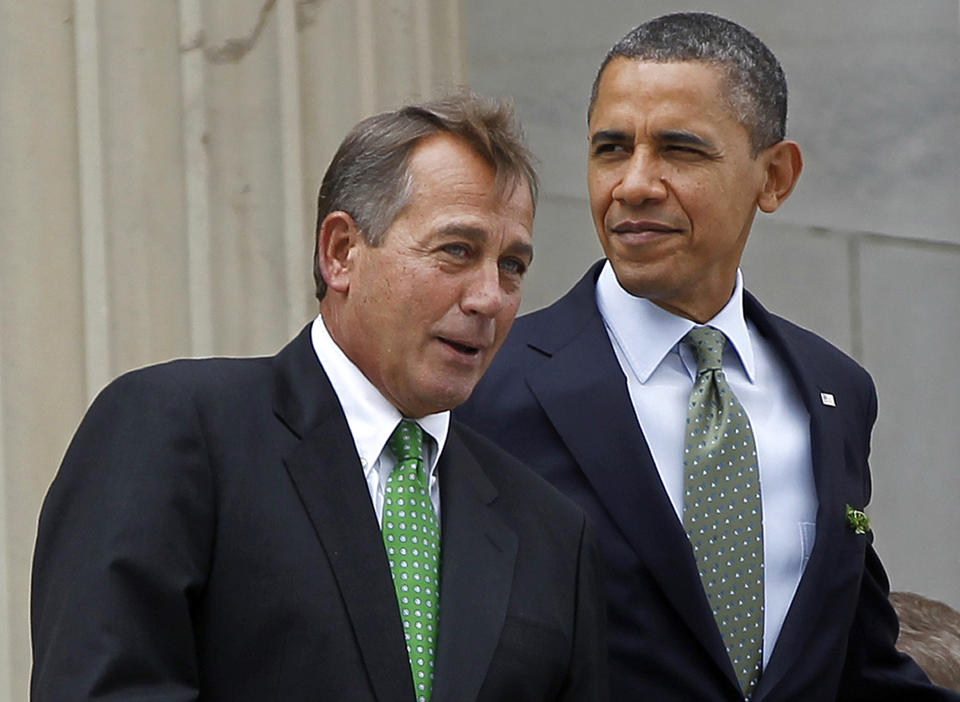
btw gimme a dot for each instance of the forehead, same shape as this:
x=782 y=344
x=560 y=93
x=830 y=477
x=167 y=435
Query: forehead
x=692 y=90
x=448 y=173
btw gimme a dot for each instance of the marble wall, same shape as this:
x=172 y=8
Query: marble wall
x=159 y=163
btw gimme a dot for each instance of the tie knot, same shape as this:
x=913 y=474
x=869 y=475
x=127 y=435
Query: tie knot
x=707 y=344
x=406 y=442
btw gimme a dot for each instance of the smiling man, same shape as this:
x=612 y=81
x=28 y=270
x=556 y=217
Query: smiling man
x=718 y=449
x=312 y=526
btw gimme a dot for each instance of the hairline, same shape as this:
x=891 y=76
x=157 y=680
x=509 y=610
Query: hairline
x=753 y=83
x=729 y=86
x=503 y=188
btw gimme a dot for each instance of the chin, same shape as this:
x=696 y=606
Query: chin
x=640 y=279
x=441 y=399
x=456 y=396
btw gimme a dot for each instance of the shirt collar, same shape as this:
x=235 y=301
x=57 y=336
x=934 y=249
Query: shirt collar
x=370 y=416
x=646 y=333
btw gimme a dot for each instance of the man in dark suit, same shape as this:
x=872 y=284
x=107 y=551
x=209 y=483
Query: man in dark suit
x=738 y=561
x=274 y=528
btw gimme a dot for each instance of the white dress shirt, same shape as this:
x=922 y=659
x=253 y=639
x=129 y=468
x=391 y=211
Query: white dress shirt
x=372 y=419
x=660 y=373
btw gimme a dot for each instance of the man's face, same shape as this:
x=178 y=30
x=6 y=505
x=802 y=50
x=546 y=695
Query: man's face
x=427 y=309
x=673 y=186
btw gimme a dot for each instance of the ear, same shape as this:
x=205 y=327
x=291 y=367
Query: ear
x=338 y=239
x=783 y=163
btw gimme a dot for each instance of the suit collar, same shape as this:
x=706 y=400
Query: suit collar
x=566 y=319
x=371 y=417
x=326 y=472
x=645 y=333
x=827 y=443
x=479 y=551
x=601 y=432
x=302 y=394
x=478 y=548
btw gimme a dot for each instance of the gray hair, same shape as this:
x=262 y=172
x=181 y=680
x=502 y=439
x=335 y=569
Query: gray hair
x=756 y=86
x=369 y=177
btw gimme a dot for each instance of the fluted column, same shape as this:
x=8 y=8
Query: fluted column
x=159 y=171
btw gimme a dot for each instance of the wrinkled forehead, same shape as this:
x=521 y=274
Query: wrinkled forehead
x=505 y=179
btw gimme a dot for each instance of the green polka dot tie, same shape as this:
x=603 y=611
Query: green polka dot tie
x=411 y=534
x=722 y=510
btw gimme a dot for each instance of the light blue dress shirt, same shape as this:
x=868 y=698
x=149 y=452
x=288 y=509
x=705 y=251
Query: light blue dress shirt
x=660 y=372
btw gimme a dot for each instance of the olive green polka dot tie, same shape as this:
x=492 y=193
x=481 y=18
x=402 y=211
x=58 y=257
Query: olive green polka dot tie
x=411 y=534
x=722 y=510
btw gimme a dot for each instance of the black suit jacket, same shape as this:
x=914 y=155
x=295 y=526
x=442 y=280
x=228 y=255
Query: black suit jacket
x=210 y=536
x=557 y=398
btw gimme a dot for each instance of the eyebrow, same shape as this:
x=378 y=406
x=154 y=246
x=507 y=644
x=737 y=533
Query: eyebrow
x=671 y=136
x=477 y=234
x=679 y=136
x=524 y=250
x=610 y=135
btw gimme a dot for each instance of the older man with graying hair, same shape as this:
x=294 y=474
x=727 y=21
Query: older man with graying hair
x=370 y=177
x=313 y=526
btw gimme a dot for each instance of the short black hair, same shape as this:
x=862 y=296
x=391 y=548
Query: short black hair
x=756 y=86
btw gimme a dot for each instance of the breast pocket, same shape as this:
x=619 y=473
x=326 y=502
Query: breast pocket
x=529 y=664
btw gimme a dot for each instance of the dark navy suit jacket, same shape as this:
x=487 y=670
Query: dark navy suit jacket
x=557 y=398
x=210 y=536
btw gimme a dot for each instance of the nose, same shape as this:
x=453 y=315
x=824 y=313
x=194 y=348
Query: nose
x=483 y=293
x=641 y=180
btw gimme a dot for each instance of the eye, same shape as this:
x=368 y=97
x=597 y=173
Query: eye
x=683 y=149
x=457 y=250
x=513 y=266
x=608 y=148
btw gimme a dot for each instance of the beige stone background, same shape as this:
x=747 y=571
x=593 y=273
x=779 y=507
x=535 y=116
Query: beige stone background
x=158 y=167
x=159 y=162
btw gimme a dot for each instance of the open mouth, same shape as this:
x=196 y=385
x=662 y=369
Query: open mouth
x=462 y=348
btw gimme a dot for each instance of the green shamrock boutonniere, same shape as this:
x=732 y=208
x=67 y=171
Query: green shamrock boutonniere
x=857 y=520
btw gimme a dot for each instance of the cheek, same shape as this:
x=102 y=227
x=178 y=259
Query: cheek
x=692 y=192
x=507 y=314
x=439 y=305
x=599 y=187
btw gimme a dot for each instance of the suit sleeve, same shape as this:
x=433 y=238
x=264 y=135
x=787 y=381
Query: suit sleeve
x=874 y=670
x=587 y=678
x=124 y=539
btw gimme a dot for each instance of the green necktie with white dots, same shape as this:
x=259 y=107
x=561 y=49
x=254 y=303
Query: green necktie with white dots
x=722 y=509
x=411 y=535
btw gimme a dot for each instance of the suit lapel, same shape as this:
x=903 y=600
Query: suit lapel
x=478 y=555
x=827 y=443
x=326 y=472
x=601 y=432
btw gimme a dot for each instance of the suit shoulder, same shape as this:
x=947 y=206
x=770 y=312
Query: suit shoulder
x=195 y=377
x=811 y=348
x=174 y=393
x=816 y=347
x=514 y=479
x=555 y=324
